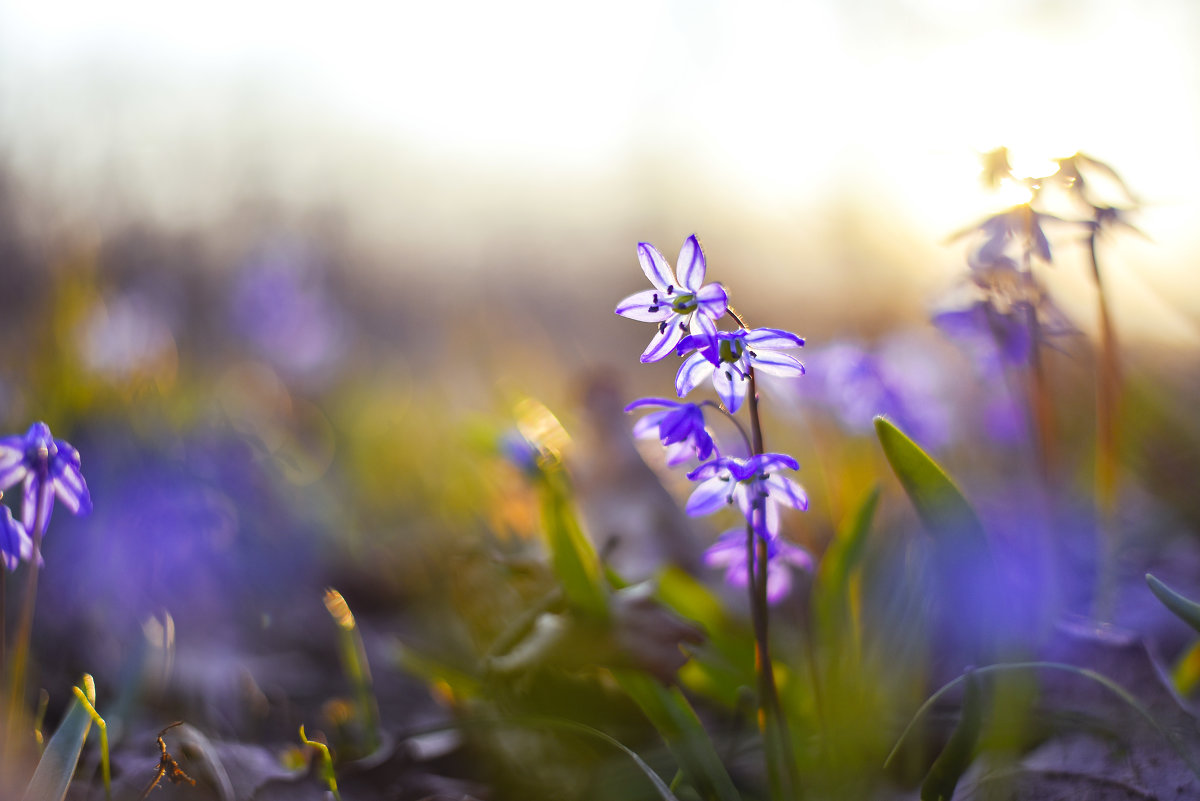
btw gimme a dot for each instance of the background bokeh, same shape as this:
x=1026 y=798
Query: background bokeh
x=285 y=274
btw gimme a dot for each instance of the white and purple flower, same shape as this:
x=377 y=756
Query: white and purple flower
x=15 y=544
x=680 y=306
x=50 y=468
x=680 y=426
x=727 y=357
x=754 y=484
x=729 y=552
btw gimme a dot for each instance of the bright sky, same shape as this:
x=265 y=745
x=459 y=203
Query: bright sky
x=774 y=102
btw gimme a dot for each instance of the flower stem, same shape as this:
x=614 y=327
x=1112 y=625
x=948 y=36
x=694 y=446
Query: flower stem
x=781 y=767
x=1108 y=398
x=14 y=738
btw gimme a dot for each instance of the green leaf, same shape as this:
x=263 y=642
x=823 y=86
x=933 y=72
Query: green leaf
x=674 y=718
x=831 y=588
x=939 y=503
x=57 y=765
x=723 y=666
x=1185 y=610
x=575 y=561
x=956 y=757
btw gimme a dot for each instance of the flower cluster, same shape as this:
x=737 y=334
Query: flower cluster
x=49 y=469
x=1009 y=312
x=687 y=312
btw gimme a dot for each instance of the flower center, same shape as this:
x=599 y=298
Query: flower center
x=730 y=350
x=684 y=304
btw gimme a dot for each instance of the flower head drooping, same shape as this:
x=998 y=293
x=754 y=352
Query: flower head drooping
x=50 y=468
x=680 y=426
x=729 y=552
x=754 y=484
x=15 y=544
x=680 y=306
x=727 y=356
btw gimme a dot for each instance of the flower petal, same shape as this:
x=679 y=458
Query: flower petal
x=768 y=462
x=692 y=372
x=779 y=582
x=710 y=469
x=773 y=338
x=784 y=490
x=712 y=300
x=640 y=402
x=708 y=497
x=71 y=489
x=669 y=333
x=731 y=387
x=655 y=266
x=648 y=425
x=645 y=306
x=776 y=363
x=691 y=265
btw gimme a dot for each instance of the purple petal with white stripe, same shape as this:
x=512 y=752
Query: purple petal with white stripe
x=645 y=306
x=713 y=300
x=730 y=386
x=691 y=265
x=664 y=340
x=655 y=266
x=773 y=338
x=708 y=497
x=775 y=363
x=694 y=370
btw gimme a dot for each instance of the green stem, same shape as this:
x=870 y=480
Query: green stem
x=1108 y=394
x=20 y=657
x=781 y=768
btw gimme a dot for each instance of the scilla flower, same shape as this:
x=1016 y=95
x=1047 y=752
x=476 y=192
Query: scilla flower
x=729 y=552
x=15 y=544
x=50 y=468
x=680 y=426
x=679 y=306
x=727 y=356
x=754 y=484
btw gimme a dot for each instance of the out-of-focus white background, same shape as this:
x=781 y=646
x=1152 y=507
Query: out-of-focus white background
x=834 y=143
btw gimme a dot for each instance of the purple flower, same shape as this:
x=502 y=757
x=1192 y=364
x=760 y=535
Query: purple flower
x=49 y=467
x=727 y=356
x=15 y=544
x=1021 y=225
x=679 y=307
x=729 y=552
x=753 y=484
x=993 y=338
x=680 y=426
x=900 y=378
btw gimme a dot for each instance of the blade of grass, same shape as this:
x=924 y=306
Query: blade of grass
x=1186 y=610
x=1102 y=680
x=358 y=672
x=326 y=769
x=671 y=714
x=52 y=777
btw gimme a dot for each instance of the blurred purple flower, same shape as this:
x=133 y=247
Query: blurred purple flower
x=679 y=307
x=49 y=467
x=680 y=426
x=729 y=552
x=518 y=451
x=749 y=483
x=1019 y=226
x=902 y=380
x=123 y=335
x=280 y=305
x=992 y=338
x=727 y=356
x=15 y=544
